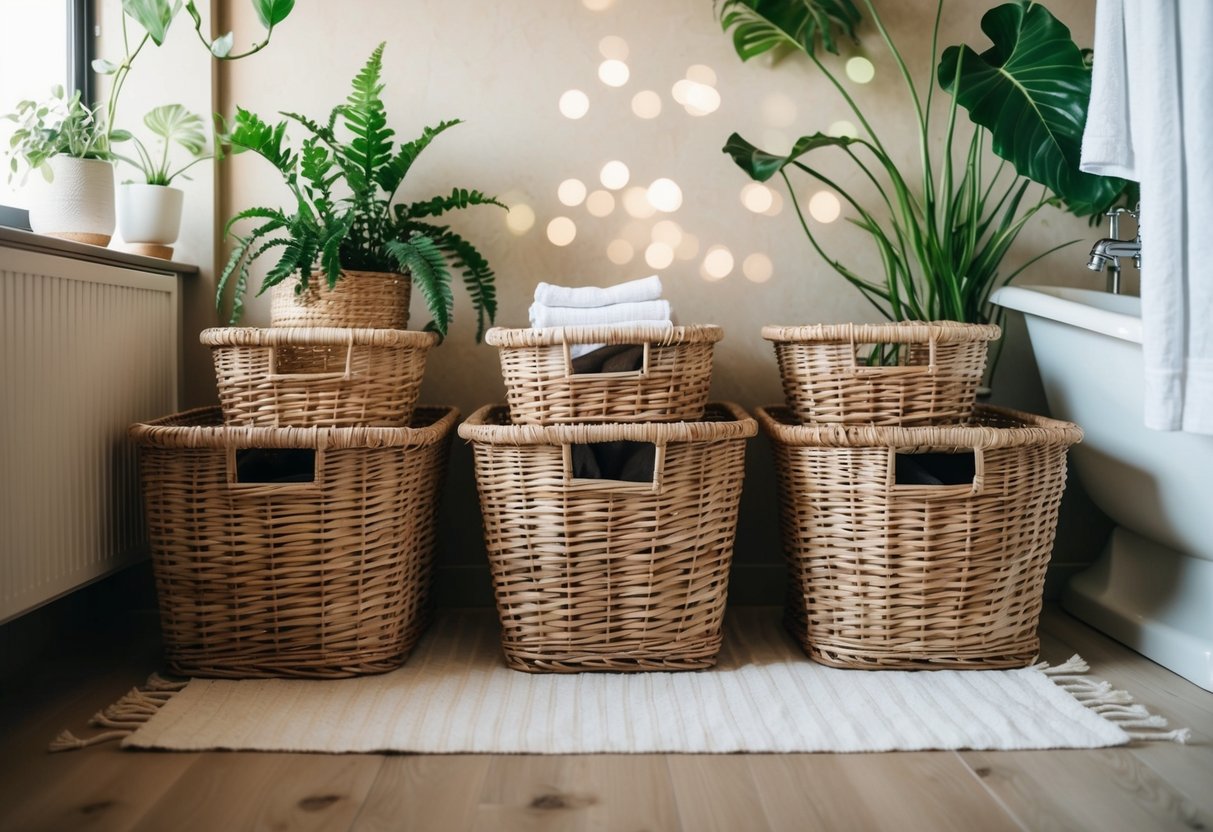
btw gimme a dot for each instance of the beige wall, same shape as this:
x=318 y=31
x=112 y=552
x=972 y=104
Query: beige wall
x=502 y=65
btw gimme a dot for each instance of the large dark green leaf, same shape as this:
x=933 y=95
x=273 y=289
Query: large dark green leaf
x=273 y=12
x=762 y=25
x=1030 y=90
x=761 y=165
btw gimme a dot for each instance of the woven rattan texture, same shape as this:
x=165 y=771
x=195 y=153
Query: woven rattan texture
x=823 y=381
x=318 y=377
x=542 y=389
x=361 y=300
x=610 y=577
x=323 y=579
x=891 y=576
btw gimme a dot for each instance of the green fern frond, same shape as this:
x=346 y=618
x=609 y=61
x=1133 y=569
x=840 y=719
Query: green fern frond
x=392 y=174
x=422 y=259
x=365 y=118
x=478 y=278
x=459 y=198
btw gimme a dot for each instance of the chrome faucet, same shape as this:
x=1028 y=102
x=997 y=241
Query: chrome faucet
x=1106 y=253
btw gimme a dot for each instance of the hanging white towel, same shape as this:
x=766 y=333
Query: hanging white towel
x=634 y=291
x=618 y=313
x=1151 y=119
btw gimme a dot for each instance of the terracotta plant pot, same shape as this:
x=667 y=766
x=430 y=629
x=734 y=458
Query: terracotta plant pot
x=78 y=204
x=362 y=300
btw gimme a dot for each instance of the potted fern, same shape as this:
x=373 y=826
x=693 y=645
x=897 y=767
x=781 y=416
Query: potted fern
x=944 y=231
x=348 y=257
x=149 y=212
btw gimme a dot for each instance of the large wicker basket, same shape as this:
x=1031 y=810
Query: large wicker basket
x=322 y=575
x=826 y=377
x=361 y=300
x=595 y=574
x=543 y=388
x=318 y=377
x=890 y=575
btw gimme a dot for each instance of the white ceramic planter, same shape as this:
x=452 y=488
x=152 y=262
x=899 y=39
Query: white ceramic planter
x=78 y=205
x=149 y=214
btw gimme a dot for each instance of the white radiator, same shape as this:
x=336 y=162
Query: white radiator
x=85 y=350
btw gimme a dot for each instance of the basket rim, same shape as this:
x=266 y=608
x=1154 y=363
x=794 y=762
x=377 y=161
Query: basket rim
x=906 y=332
x=605 y=334
x=203 y=428
x=483 y=427
x=781 y=426
x=247 y=336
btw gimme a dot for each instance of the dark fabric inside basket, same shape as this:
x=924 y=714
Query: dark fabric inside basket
x=936 y=468
x=275 y=465
x=613 y=358
x=623 y=461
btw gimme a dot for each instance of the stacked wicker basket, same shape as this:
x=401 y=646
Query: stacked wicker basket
x=626 y=573
x=917 y=526
x=292 y=528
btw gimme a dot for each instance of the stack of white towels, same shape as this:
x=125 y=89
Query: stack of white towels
x=635 y=303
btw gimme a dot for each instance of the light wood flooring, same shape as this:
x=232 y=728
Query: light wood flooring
x=1145 y=787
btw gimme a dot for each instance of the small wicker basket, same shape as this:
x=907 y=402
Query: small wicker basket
x=325 y=574
x=594 y=574
x=889 y=575
x=318 y=377
x=360 y=300
x=542 y=387
x=826 y=379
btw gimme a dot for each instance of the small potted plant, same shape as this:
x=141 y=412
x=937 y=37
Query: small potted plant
x=65 y=142
x=149 y=212
x=353 y=256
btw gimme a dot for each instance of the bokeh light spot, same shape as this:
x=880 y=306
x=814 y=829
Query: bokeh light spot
x=659 y=255
x=613 y=73
x=614 y=47
x=702 y=74
x=636 y=202
x=824 y=206
x=665 y=195
x=860 y=70
x=702 y=100
x=620 y=252
x=600 y=203
x=574 y=104
x=668 y=232
x=561 y=231
x=757 y=268
x=757 y=197
x=842 y=127
x=718 y=262
x=614 y=175
x=571 y=192
x=520 y=218
x=597 y=5
x=646 y=104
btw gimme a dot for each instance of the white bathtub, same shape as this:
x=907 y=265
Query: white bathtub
x=1152 y=588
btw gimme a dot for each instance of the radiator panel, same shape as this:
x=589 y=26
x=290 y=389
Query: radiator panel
x=85 y=350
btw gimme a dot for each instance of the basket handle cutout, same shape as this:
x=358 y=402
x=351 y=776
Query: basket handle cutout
x=275 y=470
x=610 y=361
x=345 y=375
x=928 y=369
x=620 y=467
x=936 y=475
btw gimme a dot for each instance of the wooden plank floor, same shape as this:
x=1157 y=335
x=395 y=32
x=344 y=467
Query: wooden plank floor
x=1145 y=787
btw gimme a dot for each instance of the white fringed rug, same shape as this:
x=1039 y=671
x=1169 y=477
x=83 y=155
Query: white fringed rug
x=456 y=695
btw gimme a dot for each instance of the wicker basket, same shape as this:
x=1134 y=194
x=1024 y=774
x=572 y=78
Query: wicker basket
x=272 y=576
x=542 y=387
x=595 y=574
x=826 y=377
x=318 y=377
x=360 y=300
x=889 y=575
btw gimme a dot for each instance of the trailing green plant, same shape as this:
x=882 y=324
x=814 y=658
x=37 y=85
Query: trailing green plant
x=362 y=227
x=942 y=232
x=154 y=17
x=172 y=124
x=60 y=125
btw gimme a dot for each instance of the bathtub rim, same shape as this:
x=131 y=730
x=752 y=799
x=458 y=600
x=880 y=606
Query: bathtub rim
x=1081 y=308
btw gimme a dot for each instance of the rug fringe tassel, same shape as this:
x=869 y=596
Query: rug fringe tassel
x=125 y=716
x=1116 y=706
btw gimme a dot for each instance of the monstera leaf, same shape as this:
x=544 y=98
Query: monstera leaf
x=1030 y=90
x=761 y=165
x=762 y=25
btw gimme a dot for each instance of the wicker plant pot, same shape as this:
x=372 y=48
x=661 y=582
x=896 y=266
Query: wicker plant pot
x=318 y=377
x=361 y=300
x=326 y=575
x=542 y=387
x=888 y=575
x=825 y=379
x=593 y=574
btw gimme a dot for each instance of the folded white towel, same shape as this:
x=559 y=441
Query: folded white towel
x=543 y=315
x=634 y=291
